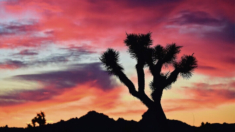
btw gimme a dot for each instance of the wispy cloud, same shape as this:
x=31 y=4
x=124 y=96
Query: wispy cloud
x=27 y=52
x=27 y=58
x=201 y=96
x=18 y=28
x=12 y=64
x=56 y=83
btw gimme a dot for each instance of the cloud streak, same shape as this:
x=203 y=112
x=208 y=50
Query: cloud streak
x=55 y=83
x=201 y=96
x=27 y=58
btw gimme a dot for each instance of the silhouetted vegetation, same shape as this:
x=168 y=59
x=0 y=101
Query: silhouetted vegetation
x=98 y=122
x=139 y=47
x=40 y=119
x=29 y=126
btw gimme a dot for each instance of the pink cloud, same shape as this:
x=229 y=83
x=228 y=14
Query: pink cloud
x=202 y=96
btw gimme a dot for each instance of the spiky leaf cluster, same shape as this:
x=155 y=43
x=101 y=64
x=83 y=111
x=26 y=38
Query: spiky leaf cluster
x=187 y=64
x=159 y=53
x=110 y=59
x=138 y=45
x=166 y=55
x=170 y=53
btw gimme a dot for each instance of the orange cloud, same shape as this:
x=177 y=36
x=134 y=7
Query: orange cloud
x=202 y=96
x=99 y=100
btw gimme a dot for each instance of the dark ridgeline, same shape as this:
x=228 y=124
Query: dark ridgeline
x=154 y=58
x=98 y=122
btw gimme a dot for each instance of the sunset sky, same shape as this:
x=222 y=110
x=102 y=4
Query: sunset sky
x=50 y=53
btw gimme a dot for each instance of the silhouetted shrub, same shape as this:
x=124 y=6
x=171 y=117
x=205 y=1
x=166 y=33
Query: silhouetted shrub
x=29 y=126
x=40 y=119
x=202 y=124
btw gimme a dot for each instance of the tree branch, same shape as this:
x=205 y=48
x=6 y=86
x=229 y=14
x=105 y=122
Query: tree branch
x=140 y=75
x=123 y=78
x=143 y=97
x=151 y=67
x=172 y=78
x=158 y=67
x=157 y=70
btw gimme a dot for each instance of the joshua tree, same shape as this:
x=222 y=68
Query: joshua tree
x=154 y=58
x=40 y=119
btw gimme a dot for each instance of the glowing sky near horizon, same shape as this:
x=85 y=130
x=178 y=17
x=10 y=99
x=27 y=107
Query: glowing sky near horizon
x=50 y=53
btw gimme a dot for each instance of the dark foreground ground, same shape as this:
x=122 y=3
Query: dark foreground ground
x=97 y=122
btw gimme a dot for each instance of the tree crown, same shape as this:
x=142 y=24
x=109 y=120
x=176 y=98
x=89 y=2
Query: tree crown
x=139 y=47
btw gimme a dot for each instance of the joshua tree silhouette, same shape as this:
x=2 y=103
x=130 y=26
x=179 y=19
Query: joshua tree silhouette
x=40 y=119
x=154 y=58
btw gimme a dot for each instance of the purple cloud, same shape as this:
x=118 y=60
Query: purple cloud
x=151 y=2
x=226 y=34
x=12 y=64
x=55 y=83
x=27 y=52
x=79 y=50
x=198 y=17
x=224 y=28
x=13 y=28
x=79 y=73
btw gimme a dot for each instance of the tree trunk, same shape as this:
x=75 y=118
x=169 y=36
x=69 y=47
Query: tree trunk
x=154 y=119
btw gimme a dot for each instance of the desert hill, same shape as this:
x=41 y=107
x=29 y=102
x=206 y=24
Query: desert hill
x=98 y=122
